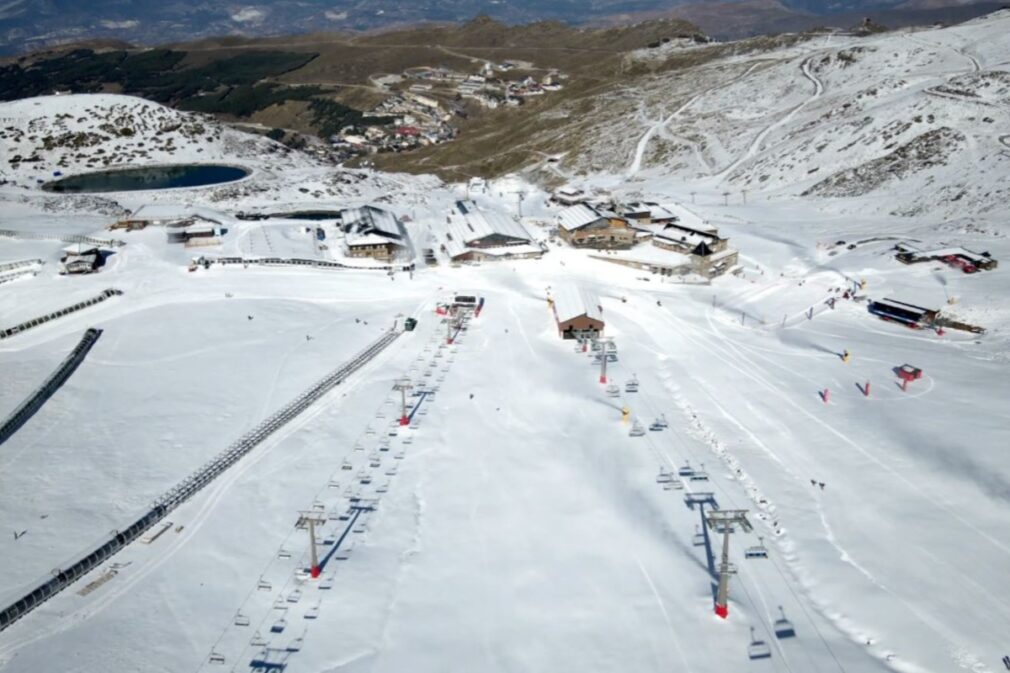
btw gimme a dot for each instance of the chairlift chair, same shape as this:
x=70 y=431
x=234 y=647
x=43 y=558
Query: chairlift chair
x=699 y=476
x=391 y=471
x=384 y=446
x=662 y=421
x=312 y=612
x=613 y=390
x=400 y=455
x=215 y=658
x=382 y=488
x=346 y=466
x=241 y=619
x=675 y=485
x=783 y=627
x=326 y=583
x=632 y=385
x=283 y=554
x=636 y=429
x=333 y=484
x=295 y=596
x=263 y=585
x=686 y=470
x=257 y=640
x=279 y=626
x=663 y=477
x=758 y=649
x=656 y=426
x=757 y=551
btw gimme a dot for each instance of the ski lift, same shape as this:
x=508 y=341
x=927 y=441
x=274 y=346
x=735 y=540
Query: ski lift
x=295 y=596
x=636 y=429
x=393 y=432
x=313 y=612
x=257 y=640
x=369 y=431
x=414 y=423
x=241 y=619
x=382 y=488
x=384 y=446
x=700 y=475
x=346 y=465
x=215 y=658
x=330 y=539
x=296 y=644
x=757 y=551
x=399 y=455
x=391 y=471
x=364 y=477
x=283 y=554
x=758 y=649
x=686 y=470
x=656 y=426
x=380 y=415
x=663 y=477
x=613 y=390
x=675 y=484
x=344 y=553
x=698 y=539
x=333 y=484
x=263 y=585
x=783 y=627
x=358 y=446
x=326 y=584
x=661 y=421
x=279 y=626
x=632 y=385
x=374 y=462
x=279 y=603
x=360 y=527
x=408 y=440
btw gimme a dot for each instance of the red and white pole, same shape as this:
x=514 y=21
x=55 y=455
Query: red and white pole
x=866 y=389
x=826 y=395
x=404 y=419
x=603 y=362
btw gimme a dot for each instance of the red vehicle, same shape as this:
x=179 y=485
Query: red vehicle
x=959 y=262
x=909 y=373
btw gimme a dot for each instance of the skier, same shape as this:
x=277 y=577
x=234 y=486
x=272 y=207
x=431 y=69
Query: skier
x=821 y=484
x=471 y=396
x=249 y=316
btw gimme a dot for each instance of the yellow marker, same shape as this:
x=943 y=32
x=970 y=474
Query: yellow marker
x=845 y=357
x=625 y=414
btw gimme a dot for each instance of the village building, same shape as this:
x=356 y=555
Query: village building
x=709 y=252
x=80 y=258
x=646 y=213
x=471 y=234
x=194 y=235
x=569 y=196
x=373 y=232
x=578 y=315
x=584 y=226
x=169 y=215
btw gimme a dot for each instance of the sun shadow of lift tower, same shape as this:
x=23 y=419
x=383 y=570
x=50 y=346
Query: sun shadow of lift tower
x=723 y=521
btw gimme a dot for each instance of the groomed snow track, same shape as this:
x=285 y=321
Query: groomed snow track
x=41 y=320
x=30 y=406
x=64 y=577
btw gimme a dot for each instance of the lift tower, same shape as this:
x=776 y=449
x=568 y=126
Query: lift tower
x=310 y=519
x=403 y=385
x=605 y=343
x=723 y=520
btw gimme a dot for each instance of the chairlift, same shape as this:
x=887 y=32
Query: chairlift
x=698 y=539
x=757 y=551
x=346 y=465
x=686 y=470
x=215 y=658
x=391 y=471
x=663 y=477
x=326 y=583
x=699 y=476
x=656 y=426
x=343 y=554
x=263 y=585
x=393 y=432
x=295 y=596
x=662 y=421
x=613 y=390
x=382 y=488
x=283 y=554
x=279 y=626
x=360 y=527
x=363 y=477
x=279 y=603
x=632 y=385
x=783 y=627
x=313 y=612
x=384 y=446
x=399 y=455
x=758 y=649
x=374 y=462
x=333 y=484
x=257 y=640
x=330 y=539
x=241 y=619
x=408 y=440
x=675 y=484
x=637 y=430
x=414 y=423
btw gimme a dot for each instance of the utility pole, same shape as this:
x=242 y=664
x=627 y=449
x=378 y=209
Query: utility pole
x=310 y=519
x=604 y=342
x=725 y=198
x=403 y=385
x=726 y=519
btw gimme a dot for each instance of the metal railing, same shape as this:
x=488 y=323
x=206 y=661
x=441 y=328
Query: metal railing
x=41 y=320
x=66 y=238
x=30 y=406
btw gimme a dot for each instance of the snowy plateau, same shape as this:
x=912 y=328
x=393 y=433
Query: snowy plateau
x=515 y=524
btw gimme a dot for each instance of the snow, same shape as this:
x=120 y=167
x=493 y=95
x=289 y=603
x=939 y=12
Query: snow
x=523 y=528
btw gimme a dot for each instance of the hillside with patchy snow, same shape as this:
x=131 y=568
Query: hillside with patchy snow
x=920 y=117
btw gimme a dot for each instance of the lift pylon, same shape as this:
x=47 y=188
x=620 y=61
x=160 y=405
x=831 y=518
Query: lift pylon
x=403 y=385
x=723 y=520
x=310 y=519
x=604 y=342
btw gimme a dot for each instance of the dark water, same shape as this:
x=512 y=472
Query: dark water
x=151 y=177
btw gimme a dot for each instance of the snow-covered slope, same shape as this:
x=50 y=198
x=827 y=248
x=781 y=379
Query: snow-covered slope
x=518 y=525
